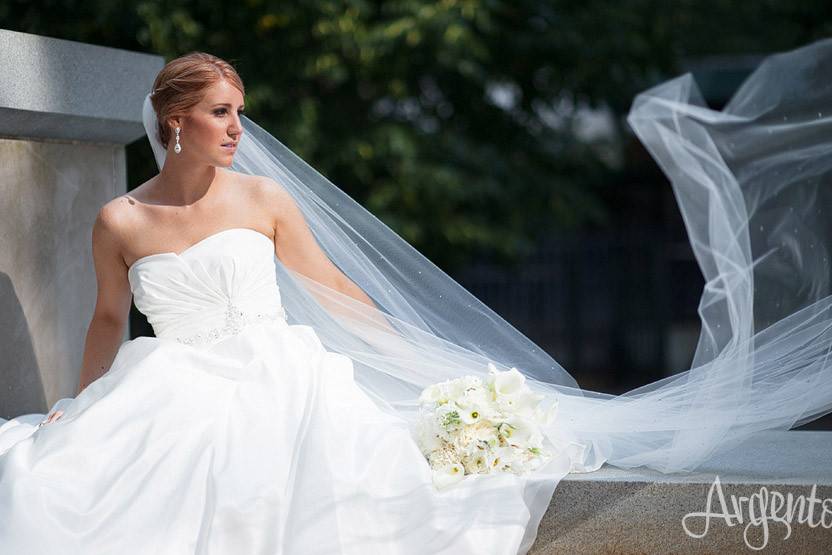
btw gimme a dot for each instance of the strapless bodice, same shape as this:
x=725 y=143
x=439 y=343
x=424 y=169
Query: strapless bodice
x=211 y=290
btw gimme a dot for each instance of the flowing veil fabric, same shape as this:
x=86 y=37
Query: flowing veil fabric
x=752 y=184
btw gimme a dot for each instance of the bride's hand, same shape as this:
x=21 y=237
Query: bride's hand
x=52 y=418
x=56 y=411
x=55 y=416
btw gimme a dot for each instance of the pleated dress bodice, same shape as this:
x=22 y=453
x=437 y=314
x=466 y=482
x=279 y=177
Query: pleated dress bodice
x=211 y=290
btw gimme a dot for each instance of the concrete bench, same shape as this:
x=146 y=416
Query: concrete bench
x=641 y=511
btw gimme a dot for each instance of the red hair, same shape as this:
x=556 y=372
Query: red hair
x=180 y=86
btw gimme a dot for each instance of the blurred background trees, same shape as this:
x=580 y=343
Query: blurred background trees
x=469 y=126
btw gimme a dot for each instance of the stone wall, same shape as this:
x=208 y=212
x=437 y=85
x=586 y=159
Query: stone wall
x=67 y=110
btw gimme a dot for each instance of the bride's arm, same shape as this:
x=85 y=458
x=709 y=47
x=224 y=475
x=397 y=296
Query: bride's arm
x=112 y=305
x=298 y=250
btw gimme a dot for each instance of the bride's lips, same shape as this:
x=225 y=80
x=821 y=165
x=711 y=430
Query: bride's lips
x=231 y=147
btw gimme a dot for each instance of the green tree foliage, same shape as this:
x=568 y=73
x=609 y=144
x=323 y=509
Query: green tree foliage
x=453 y=121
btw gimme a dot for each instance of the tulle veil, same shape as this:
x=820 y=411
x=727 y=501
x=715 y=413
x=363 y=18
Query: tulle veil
x=752 y=184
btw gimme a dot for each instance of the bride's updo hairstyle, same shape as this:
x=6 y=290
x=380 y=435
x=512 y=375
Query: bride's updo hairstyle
x=180 y=85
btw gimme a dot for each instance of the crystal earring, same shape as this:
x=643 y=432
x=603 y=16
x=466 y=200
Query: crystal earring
x=178 y=148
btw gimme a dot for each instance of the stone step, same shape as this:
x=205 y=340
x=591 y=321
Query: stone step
x=641 y=511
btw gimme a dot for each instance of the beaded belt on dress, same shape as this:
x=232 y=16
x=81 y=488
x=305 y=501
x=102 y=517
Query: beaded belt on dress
x=236 y=320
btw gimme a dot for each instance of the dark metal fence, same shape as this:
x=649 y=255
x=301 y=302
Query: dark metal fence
x=616 y=310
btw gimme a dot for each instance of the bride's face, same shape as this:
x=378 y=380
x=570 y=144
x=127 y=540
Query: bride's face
x=212 y=125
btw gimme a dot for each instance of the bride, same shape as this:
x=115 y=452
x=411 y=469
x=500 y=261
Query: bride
x=274 y=410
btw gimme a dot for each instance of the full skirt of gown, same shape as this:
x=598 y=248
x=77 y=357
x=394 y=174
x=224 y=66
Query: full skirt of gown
x=259 y=443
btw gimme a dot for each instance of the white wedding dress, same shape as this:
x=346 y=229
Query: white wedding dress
x=233 y=431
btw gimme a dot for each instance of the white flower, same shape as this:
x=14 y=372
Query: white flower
x=479 y=401
x=470 y=426
x=476 y=463
x=508 y=403
x=444 y=456
x=448 y=475
x=448 y=416
x=473 y=396
x=499 y=457
x=440 y=393
x=484 y=431
x=546 y=416
x=477 y=437
x=470 y=416
x=531 y=435
x=537 y=457
x=430 y=394
x=522 y=402
x=426 y=435
x=454 y=389
x=521 y=431
x=508 y=383
x=470 y=382
x=519 y=466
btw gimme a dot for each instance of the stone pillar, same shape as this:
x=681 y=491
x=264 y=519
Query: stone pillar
x=67 y=110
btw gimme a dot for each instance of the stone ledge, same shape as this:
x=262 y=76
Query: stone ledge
x=65 y=90
x=634 y=511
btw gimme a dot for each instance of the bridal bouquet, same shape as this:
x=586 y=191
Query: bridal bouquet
x=474 y=426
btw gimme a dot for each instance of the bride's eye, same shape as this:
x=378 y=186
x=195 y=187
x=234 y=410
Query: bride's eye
x=221 y=111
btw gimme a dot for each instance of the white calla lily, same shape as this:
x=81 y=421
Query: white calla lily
x=522 y=430
x=509 y=382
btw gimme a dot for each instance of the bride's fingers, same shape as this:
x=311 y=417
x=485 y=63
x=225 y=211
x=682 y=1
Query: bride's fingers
x=54 y=416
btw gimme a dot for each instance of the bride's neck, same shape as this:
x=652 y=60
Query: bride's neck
x=186 y=183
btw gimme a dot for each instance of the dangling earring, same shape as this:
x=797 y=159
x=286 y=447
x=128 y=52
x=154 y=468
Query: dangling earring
x=178 y=148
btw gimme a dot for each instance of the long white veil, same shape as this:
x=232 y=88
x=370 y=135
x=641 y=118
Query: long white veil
x=752 y=183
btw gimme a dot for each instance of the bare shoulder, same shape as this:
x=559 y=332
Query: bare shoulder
x=118 y=218
x=114 y=215
x=111 y=224
x=271 y=194
x=268 y=187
